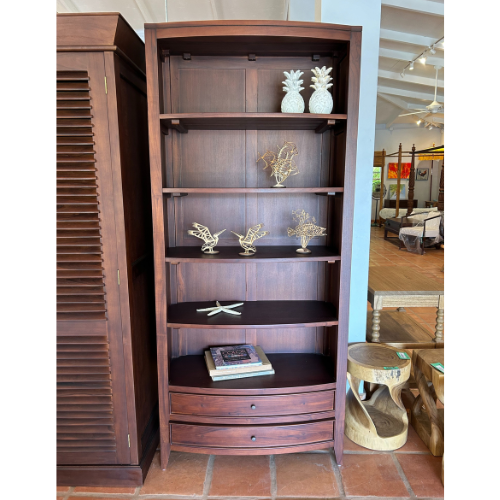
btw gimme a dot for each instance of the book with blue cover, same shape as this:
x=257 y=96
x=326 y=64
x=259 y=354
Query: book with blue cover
x=235 y=356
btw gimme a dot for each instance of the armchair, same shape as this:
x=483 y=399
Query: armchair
x=424 y=225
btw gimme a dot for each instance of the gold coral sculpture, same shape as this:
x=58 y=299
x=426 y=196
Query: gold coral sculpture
x=305 y=230
x=246 y=242
x=204 y=234
x=281 y=163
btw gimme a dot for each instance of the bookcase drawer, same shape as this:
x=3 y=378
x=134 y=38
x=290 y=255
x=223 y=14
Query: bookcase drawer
x=251 y=406
x=251 y=436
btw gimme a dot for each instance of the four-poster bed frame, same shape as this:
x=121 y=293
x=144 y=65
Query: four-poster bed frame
x=434 y=153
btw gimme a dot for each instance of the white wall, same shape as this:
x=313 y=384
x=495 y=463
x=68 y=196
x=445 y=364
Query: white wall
x=422 y=138
x=364 y=13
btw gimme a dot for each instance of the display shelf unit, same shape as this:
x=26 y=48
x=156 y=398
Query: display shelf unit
x=214 y=107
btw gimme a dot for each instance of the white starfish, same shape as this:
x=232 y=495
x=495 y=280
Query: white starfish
x=219 y=308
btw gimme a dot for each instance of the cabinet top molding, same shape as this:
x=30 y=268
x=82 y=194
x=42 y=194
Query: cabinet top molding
x=229 y=23
x=103 y=31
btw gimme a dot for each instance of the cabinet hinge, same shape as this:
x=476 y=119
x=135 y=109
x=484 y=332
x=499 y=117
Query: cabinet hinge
x=118 y=276
x=128 y=436
x=106 y=84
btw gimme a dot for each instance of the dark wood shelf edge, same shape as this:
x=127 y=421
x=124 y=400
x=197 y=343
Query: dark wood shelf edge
x=252 y=327
x=324 y=191
x=183 y=122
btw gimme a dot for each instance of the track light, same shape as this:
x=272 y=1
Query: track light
x=411 y=66
x=432 y=50
x=430 y=127
x=423 y=59
x=419 y=122
x=402 y=74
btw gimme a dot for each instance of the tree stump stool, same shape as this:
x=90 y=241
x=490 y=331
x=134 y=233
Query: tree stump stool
x=380 y=422
x=426 y=419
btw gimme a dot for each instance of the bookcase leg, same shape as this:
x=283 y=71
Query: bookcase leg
x=164 y=454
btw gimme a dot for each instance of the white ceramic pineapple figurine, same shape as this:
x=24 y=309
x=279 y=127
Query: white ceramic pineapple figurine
x=293 y=101
x=321 y=101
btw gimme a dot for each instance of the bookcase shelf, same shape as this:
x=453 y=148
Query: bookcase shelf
x=271 y=253
x=249 y=190
x=213 y=110
x=306 y=371
x=183 y=122
x=254 y=314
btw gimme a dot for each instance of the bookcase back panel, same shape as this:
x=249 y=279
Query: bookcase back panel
x=207 y=90
x=200 y=282
x=205 y=84
x=308 y=161
x=281 y=281
x=287 y=339
x=275 y=211
x=197 y=341
x=217 y=213
x=270 y=80
x=210 y=158
x=239 y=212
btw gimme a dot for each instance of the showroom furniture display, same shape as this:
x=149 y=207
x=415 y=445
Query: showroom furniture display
x=391 y=286
x=426 y=418
x=107 y=398
x=214 y=96
x=380 y=421
x=424 y=227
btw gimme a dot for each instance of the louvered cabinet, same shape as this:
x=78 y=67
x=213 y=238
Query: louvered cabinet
x=107 y=396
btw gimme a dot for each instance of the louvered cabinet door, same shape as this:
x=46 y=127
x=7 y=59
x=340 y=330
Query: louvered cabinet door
x=92 y=426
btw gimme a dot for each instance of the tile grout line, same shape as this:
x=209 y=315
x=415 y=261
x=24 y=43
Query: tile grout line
x=337 y=474
x=274 y=479
x=208 y=477
x=403 y=475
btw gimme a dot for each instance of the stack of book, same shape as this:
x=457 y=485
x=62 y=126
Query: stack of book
x=237 y=361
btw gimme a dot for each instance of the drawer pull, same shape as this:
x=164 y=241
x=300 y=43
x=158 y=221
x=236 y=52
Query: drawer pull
x=253 y=407
x=253 y=438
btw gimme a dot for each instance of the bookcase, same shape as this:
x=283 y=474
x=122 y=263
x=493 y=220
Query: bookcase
x=107 y=398
x=214 y=96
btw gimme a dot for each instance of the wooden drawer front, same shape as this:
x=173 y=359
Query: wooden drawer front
x=253 y=436
x=251 y=406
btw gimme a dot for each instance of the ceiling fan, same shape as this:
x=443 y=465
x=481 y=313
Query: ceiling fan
x=434 y=106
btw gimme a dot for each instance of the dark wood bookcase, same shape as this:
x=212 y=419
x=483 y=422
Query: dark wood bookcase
x=214 y=97
x=107 y=397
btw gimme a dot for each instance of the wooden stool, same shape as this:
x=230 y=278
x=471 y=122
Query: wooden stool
x=380 y=422
x=426 y=419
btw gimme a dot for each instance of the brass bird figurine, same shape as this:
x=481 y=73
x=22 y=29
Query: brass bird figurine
x=246 y=242
x=204 y=234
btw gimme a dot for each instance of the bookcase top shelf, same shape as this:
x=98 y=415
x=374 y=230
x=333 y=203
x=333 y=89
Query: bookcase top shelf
x=304 y=371
x=230 y=254
x=254 y=314
x=183 y=122
x=183 y=191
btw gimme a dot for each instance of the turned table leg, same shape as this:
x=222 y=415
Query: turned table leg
x=376 y=326
x=440 y=321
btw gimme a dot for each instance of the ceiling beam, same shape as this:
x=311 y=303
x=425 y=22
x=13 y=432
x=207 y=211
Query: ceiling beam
x=399 y=36
x=69 y=5
x=144 y=10
x=420 y=80
x=408 y=93
x=421 y=6
x=409 y=56
x=396 y=101
x=215 y=14
x=392 y=117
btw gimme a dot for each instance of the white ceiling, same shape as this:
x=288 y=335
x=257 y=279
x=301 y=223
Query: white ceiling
x=407 y=28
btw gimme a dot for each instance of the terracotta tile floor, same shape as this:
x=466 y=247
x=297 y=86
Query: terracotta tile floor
x=410 y=472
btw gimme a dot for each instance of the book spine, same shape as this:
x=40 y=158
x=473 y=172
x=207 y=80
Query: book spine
x=242 y=375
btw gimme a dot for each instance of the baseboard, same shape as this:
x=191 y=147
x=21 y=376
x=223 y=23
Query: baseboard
x=109 y=475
